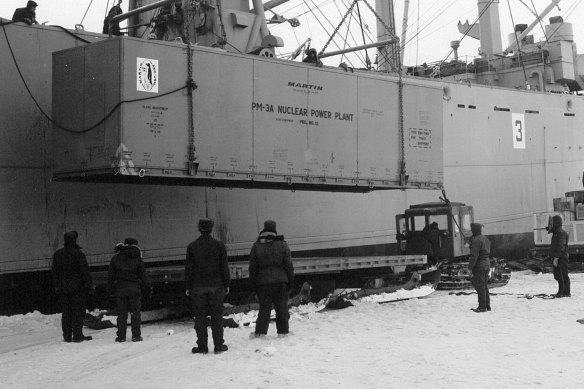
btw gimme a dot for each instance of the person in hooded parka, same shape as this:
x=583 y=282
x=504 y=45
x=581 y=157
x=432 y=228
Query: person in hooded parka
x=271 y=273
x=127 y=276
x=560 y=256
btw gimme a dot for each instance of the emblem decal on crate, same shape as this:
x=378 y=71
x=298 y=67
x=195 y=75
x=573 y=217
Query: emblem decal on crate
x=147 y=75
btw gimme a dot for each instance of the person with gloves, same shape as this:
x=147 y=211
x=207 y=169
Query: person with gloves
x=207 y=282
x=271 y=273
x=560 y=257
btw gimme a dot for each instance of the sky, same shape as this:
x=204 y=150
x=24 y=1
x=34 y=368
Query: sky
x=432 y=23
x=432 y=342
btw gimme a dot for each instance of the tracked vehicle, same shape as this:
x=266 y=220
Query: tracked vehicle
x=442 y=231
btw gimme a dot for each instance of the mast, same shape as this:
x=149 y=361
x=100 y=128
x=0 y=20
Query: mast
x=387 y=55
x=490 y=27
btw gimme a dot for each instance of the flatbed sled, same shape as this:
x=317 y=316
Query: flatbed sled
x=384 y=284
x=99 y=320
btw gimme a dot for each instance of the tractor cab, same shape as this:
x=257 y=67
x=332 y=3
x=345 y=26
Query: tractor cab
x=439 y=230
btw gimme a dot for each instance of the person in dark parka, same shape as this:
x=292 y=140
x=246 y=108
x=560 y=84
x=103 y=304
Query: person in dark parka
x=560 y=256
x=207 y=282
x=126 y=277
x=72 y=283
x=312 y=57
x=271 y=274
x=113 y=12
x=27 y=14
x=480 y=266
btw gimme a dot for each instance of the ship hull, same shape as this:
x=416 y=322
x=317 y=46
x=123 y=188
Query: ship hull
x=481 y=167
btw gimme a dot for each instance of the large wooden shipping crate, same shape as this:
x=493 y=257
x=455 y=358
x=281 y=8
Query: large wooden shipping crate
x=123 y=112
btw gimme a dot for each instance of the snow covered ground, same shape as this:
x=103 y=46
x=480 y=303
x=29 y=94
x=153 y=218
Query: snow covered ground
x=432 y=342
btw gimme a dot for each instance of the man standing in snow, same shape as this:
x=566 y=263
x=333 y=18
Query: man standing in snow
x=480 y=266
x=560 y=256
x=127 y=275
x=207 y=282
x=271 y=274
x=72 y=283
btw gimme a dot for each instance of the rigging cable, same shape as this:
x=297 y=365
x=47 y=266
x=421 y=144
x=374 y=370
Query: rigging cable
x=517 y=42
x=466 y=32
x=367 y=59
x=357 y=53
x=87 y=10
x=417 y=33
x=391 y=34
x=427 y=24
x=349 y=33
x=431 y=18
x=336 y=29
x=345 y=39
x=310 y=10
x=566 y=15
x=539 y=21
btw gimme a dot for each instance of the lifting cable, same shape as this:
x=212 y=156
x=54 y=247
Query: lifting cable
x=337 y=28
x=329 y=22
x=193 y=163
x=350 y=33
x=403 y=176
x=347 y=33
x=86 y=11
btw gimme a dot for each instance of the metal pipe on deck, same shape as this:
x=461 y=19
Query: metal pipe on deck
x=140 y=10
x=362 y=47
x=273 y=4
x=137 y=11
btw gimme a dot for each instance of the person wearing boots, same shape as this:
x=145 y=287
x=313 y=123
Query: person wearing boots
x=271 y=274
x=480 y=266
x=207 y=282
x=126 y=277
x=72 y=283
x=560 y=257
